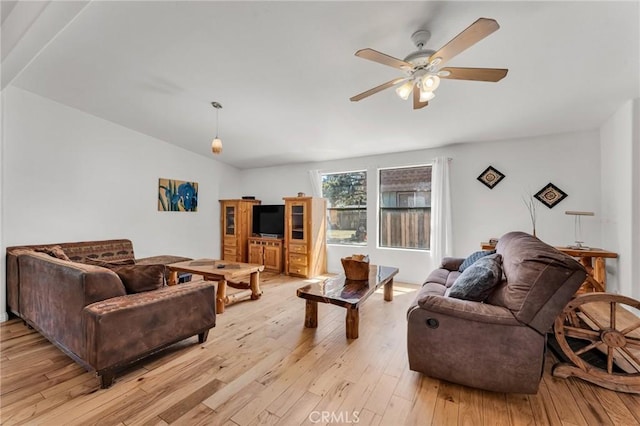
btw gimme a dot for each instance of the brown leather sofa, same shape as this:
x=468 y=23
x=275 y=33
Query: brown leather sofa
x=498 y=344
x=85 y=310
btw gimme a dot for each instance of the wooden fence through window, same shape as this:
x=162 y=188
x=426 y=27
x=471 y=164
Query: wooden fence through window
x=400 y=227
x=405 y=227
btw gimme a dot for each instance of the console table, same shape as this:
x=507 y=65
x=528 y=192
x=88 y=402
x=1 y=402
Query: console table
x=593 y=260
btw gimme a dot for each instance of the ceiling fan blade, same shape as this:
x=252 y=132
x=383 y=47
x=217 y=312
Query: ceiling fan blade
x=467 y=38
x=417 y=104
x=377 y=89
x=381 y=58
x=476 y=74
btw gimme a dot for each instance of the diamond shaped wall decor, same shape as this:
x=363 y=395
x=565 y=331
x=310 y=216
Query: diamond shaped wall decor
x=490 y=177
x=550 y=195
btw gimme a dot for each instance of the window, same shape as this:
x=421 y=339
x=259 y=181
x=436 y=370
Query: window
x=346 y=195
x=405 y=207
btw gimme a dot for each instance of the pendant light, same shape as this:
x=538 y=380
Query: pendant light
x=216 y=144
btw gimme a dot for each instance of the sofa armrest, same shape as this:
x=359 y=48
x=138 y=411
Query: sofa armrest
x=451 y=263
x=161 y=260
x=53 y=293
x=123 y=329
x=463 y=309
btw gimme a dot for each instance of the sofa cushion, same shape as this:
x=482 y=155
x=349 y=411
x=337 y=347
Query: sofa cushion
x=108 y=250
x=438 y=276
x=139 y=278
x=108 y=264
x=473 y=257
x=161 y=260
x=451 y=263
x=53 y=251
x=478 y=280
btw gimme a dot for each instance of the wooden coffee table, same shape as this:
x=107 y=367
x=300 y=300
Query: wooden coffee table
x=222 y=271
x=349 y=294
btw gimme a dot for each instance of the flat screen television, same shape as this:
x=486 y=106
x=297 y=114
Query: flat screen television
x=268 y=220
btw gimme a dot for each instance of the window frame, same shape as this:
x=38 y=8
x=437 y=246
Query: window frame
x=365 y=207
x=379 y=208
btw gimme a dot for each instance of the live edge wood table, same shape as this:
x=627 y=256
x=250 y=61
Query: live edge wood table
x=593 y=260
x=349 y=294
x=222 y=271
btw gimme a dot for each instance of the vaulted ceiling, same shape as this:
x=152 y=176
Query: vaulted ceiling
x=284 y=71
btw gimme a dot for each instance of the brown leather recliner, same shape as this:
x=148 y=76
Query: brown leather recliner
x=498 y=345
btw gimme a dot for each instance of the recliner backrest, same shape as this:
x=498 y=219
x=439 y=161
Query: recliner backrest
x=540 y=280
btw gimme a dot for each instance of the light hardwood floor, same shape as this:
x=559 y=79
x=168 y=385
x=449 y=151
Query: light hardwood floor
x=261 y=366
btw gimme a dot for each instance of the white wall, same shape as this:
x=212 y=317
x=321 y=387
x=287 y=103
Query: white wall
x=570 y=161
x=3 y=293
x=620 y=151
x=69 y=176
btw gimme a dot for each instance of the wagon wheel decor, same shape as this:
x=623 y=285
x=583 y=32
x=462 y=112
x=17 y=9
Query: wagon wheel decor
x=600 y=326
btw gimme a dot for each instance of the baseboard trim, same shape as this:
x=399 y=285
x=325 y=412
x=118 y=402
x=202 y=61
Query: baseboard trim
x=4 y=317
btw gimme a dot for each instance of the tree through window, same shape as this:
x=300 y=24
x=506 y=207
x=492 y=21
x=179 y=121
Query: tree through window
x=346 y=195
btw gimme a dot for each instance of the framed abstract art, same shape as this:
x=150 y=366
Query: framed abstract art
x=177 y=196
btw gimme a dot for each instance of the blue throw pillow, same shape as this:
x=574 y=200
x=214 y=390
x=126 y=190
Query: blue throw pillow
x=473 y=257
x=478 y=280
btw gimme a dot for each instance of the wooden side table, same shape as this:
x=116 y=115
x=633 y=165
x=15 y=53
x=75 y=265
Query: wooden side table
x=593 y=260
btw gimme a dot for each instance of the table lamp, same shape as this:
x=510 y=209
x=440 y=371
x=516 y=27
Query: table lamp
x=577 y=228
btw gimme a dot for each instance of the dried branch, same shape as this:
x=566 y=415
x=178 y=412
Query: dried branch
x=529 y=202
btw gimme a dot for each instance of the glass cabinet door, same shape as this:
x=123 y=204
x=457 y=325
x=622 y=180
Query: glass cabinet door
x=230 y=220
x=297 y=222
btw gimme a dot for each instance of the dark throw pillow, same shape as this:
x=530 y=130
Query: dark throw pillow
x=139 y=278
x=478 y=280
x=473 y=257
x=54 y=251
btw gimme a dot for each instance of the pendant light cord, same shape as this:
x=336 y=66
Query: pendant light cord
x=217 y=121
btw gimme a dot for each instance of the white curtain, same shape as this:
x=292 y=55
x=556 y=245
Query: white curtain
x=441 y=232
x=316 y=182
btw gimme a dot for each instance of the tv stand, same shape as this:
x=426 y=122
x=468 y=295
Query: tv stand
x=267 y=252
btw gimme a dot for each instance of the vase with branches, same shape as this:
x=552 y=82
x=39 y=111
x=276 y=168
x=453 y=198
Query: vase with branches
x=530 y=203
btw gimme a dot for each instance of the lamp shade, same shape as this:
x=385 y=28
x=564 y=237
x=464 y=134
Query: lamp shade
x=426 y=96
x=405 y=90
x=216 y=145
x=430 y=83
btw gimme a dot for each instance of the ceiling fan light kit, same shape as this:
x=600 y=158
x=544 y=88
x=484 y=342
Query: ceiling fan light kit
x=422 y=67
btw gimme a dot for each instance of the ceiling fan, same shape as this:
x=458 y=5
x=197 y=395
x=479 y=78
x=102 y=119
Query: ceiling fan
x=423 y=70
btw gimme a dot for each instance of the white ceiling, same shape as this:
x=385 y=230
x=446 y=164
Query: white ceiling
x=284 y=72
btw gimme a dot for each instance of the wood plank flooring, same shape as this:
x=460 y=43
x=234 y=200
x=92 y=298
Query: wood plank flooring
x=261 y=366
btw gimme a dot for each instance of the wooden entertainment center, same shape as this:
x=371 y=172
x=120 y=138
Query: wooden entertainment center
x=235 y=228
x=267 y=252
x=302 y=251
x=305 y=236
